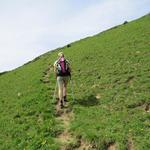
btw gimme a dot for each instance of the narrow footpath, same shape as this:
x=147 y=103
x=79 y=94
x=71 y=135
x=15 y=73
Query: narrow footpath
x=67 y=139
x=65 y=116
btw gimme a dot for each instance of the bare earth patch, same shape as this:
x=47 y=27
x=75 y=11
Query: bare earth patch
x=64 y=117
x=66 y=138
x=84 y=146
x=112 y=147
x=130 y=145
x=147 y=107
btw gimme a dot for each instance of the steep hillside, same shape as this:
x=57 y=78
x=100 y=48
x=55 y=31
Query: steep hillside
x=111 y=83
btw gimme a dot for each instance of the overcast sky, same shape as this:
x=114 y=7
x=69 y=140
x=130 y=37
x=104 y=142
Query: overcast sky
x=29 y=28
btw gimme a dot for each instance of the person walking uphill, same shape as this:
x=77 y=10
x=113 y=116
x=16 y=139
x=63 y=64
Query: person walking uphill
x=63 y=73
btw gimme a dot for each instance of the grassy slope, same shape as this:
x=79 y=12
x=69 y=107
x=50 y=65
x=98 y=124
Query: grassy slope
x=113 y=65
x=26 y=121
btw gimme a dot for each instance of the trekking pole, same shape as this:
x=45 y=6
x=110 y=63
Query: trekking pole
x=72 y=90
x=54 y=96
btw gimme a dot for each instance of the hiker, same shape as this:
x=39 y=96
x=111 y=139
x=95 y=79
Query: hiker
x=63 y=73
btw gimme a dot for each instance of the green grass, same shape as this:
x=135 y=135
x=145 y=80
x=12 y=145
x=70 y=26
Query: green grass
x=113 y=64
x=27 y=121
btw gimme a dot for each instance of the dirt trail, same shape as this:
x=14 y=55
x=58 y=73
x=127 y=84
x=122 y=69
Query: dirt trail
x=84 y=146
x=130 y=145
x=46 y=75
x=66 y=138
x=65 y=115
x=112 y=147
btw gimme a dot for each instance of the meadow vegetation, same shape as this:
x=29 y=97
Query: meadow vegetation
x=111 y=82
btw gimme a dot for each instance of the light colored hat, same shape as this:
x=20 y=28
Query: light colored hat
x=61 y=54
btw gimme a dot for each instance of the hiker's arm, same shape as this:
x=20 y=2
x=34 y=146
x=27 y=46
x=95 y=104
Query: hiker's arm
x=55 y=66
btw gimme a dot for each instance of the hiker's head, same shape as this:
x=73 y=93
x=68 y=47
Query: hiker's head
x=60 y=54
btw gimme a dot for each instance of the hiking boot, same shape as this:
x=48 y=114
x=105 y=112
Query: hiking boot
x=61 y=104
x=65 y=99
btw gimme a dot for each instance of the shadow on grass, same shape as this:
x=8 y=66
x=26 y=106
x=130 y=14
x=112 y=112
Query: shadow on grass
x=87 y=101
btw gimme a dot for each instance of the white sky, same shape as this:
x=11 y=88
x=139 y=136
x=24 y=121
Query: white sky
x=29 y=28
